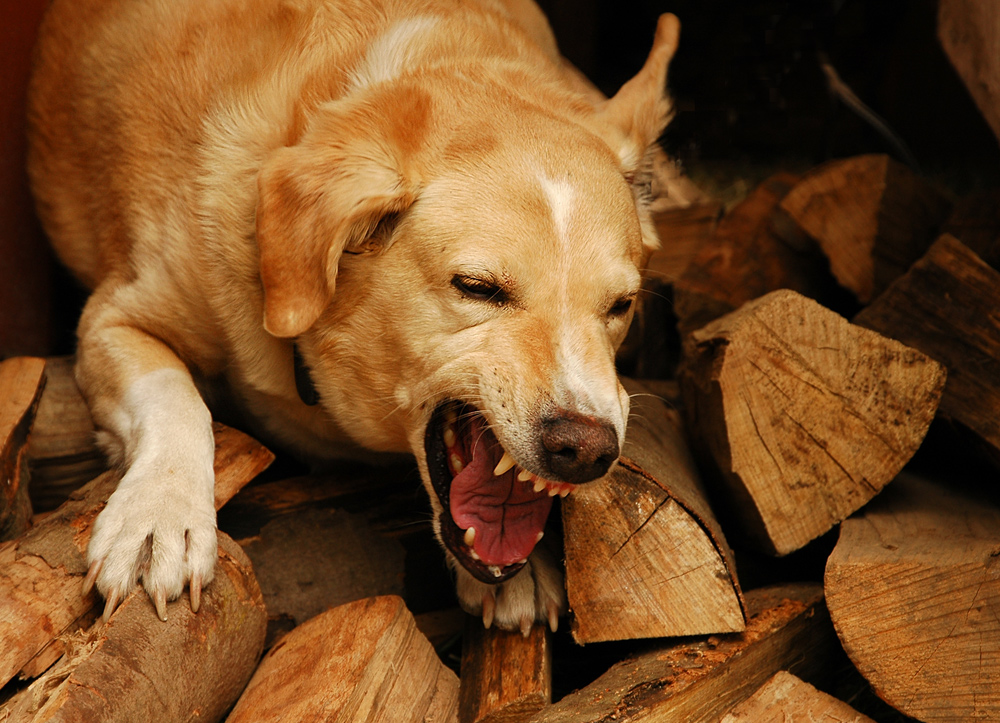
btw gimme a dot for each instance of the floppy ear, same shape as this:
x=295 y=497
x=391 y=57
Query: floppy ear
x=331 y=194
x=641 y=109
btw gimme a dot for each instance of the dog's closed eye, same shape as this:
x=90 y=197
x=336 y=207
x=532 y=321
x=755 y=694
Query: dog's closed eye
x=480 y=289
x=621 y=307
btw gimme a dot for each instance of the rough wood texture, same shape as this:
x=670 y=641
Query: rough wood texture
x=785 y=698
x=805 y=416
x=699 y=681
x=969 y=31
x=358 y=663
x=745 y=259
x=913 y=590
x=645 y=557
x=139 y=668
x=21 y=382
x=946 y=306
x=62 y=454
x=42 y=572
x=872 y=217
x=506 y=676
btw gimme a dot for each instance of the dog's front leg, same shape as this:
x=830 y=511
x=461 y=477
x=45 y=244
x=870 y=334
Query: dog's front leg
x=158 y=527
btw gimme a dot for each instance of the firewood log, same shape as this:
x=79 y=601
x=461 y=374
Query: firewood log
x=785 y=698
x=804 y=416
x=506 y=676
x=644 y=555
x=913 y=591
x=43 y=571
x=21 y=382
x=872 y=217
x=358 y=663
x=136 y=667
x=62 y=454
x=698 y=681
x=946 y=307
x=975 y=221
x=969 y=32
x=745 y=259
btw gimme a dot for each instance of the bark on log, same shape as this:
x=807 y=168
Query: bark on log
x=805 y=416
x=946 y=306
x=42 y=572
x=747 y=258
x=699 y=681
x=872 y=217
x=506 y=676
x=913 y=590
x=136 y=667
x=785 y=698
x=21 y=382
x=358 y=663
x=645 y=557
x=62 y=454
x=969 y=32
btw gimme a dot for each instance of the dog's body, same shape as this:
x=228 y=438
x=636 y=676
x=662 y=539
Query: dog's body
x=415 y=195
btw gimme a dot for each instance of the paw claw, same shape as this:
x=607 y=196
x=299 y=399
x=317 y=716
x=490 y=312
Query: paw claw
x=160 y=602
x=489 y=609
x=195 y=593
x=92 y=573
x=110 y=604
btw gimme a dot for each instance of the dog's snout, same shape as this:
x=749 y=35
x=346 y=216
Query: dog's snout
x=577 y=448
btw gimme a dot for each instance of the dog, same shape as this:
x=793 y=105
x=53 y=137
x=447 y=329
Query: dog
x=390 y=225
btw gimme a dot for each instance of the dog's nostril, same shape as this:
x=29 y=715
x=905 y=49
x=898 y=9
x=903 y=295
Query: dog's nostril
x=578 y=448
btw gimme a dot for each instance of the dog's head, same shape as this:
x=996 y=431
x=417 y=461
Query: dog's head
x=459 y=265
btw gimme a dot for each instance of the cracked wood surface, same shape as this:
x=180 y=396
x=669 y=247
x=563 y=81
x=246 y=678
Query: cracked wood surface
x=913 y=588
x=21 y=383
x=786 y=699
x=804 y=416
x=644 y=555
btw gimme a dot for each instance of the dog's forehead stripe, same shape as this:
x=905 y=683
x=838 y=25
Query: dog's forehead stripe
x=560 y=195
x=392 y=51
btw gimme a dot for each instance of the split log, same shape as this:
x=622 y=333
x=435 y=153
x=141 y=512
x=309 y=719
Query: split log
x=805 y=417
x=358 y=663
x=21 y=382
x=872 y=217
x=745 y=259
x=41 y=573
x=946 y=306
x=506 y=676
x=785 y=698
x=969 y=32
x=136 y=667
x=699 y=681
x=645 y=557
x=913 y=590
x=62 y=453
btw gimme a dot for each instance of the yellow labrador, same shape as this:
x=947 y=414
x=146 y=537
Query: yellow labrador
x=402 y=225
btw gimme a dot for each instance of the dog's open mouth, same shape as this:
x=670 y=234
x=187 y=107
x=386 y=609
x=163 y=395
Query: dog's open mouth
x=494 y=511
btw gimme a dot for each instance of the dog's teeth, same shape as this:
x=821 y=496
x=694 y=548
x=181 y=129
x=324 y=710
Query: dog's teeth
x=539 y=537
x=505 y=463
x=539 y=485
x=495 y=569
x=449 y=437
x=566 y=489
x=524 y=475
x=456 y=463
x=474 y=555
x=553 y=491
x=470 y=536
x=523 y=561
x=450 y=417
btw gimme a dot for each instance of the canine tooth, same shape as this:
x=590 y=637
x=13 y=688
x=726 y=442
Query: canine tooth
x=470 y=536
x=539 y=485
x=495 y=569
x=456 y=463
x=524 y=475
x=449 y=437
x=505 y=463
x=539 y=537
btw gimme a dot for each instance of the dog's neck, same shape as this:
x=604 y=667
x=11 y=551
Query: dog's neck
x=303 y=380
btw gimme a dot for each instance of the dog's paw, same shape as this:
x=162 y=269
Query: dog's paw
x=536 y=593
x=160 y=532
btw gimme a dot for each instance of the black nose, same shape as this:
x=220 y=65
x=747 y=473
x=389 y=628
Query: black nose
x=577 y=448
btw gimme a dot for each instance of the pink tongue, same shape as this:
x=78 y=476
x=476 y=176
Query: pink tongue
x=507 y=513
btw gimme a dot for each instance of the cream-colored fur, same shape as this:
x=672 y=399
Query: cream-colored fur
x=233 y=176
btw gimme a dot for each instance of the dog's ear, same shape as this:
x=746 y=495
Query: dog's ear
x=641 y=109
x=339 y=190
